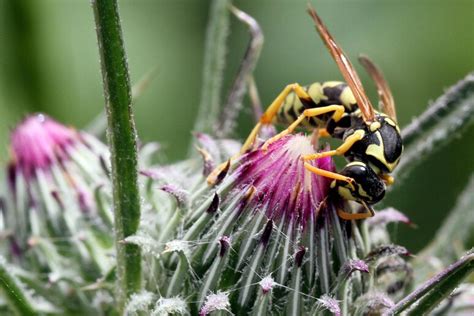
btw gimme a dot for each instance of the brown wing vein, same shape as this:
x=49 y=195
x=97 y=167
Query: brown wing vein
x=384 y=92
x=346 y=68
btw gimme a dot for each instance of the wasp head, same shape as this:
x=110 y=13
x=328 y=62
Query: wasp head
x=366 y=187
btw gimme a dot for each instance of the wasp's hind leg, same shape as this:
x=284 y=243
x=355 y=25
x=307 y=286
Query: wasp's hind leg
x=272 y=111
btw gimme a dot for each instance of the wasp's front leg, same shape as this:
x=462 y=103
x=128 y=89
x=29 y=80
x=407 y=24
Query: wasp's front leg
x=341 y=150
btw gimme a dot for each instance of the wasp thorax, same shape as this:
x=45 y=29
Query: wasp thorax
x=366 y=187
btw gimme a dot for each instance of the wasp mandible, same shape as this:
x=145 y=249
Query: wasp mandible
x=371 y=139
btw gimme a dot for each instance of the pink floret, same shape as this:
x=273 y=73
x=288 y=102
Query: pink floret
x=38 y=142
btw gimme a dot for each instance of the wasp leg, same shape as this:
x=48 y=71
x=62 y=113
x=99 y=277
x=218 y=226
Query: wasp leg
x=327 y=174
x=341 y=150
x=266 y=118
x=388 y=179
x=317 y=134
x=272 y=111
x=350 y=216
x=337 y=109
x=322 y=132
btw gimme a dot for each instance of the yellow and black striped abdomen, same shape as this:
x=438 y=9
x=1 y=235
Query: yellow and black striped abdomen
x=322 y=94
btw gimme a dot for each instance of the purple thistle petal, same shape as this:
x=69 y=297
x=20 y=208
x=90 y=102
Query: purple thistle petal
x=225 y=243
x=267 y=284
x=215 y=302
x=389 y=215
x=354 y=265
x=179 y=194
x=38 y=142
x=330 y=304
x=299 y=256
x=214 y=205
x=282 y=184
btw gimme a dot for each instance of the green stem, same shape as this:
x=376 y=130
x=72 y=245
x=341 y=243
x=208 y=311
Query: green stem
x=447 y=116
x=444 y=106
x=14 y=293
x=455 y=233
x=227 y=121
x=436 y=288
x=213 y=69
x=122 y=142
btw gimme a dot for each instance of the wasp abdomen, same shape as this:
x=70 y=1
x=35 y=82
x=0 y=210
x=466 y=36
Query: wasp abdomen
x=322 y=94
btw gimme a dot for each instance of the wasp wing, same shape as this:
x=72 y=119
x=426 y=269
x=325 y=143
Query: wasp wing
x=385 y=94
x=346 y=68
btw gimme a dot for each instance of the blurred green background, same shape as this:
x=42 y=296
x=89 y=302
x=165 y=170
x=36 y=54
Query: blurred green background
x=50 y=63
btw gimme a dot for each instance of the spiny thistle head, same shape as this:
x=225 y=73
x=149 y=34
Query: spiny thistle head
x=57 y=204
x=265 y=239
x=42 y=148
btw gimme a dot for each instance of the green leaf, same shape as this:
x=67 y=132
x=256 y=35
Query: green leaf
x=454 y=236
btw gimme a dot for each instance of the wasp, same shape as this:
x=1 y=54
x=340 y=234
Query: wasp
x=371 y=140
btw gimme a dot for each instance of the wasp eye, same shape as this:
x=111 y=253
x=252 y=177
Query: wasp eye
x=366 y=187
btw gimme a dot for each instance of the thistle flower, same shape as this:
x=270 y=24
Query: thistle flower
x=283 y=188
x=265 y=240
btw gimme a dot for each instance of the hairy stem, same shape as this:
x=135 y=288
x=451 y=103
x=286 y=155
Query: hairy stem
x=229 y=114
x=122 y=142
x=437 y=288
x=448 y=115
x=454 y=234
x=214 y=63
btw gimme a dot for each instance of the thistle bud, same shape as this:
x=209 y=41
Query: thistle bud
x=52 y=175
